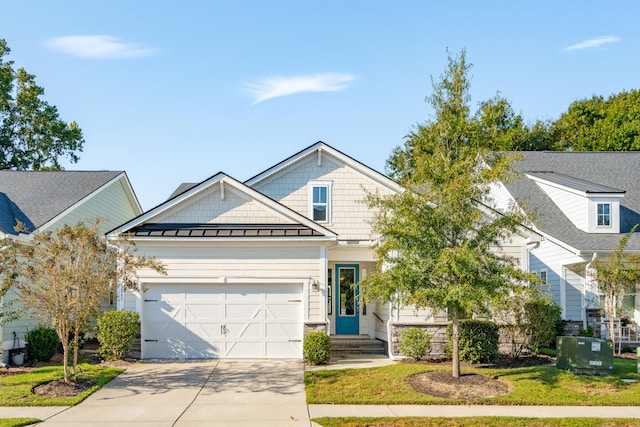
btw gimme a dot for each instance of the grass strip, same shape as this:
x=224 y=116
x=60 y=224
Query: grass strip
x=538 y=385
x=16 y=390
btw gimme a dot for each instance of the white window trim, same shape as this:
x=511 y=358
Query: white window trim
x=328 y=185
x=610 y=215
x=546 y=276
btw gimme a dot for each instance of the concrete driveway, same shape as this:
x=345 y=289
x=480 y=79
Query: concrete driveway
x=204 y=393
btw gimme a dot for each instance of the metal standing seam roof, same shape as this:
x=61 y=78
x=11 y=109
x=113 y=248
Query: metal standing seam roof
x=223 y=230
x=602 y=170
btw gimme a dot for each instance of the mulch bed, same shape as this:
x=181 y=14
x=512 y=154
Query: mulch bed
x=60 y=388
x=467 y=387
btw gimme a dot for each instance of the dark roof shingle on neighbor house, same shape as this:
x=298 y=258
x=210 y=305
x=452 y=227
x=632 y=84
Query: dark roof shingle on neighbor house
x=590 y=172
x=36 y=197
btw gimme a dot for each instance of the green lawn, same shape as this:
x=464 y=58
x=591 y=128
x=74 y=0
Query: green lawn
x=475 y=422
x=15 y=390
x=540 y=385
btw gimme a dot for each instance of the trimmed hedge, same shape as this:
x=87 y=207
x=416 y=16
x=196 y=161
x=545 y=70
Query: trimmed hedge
x=316 y=348
x=478 y=341
x=415 y=343
x=41 y=344
x=116 y=333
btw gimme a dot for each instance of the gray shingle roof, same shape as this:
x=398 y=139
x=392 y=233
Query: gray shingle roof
x=603 y=171
x=36 y=197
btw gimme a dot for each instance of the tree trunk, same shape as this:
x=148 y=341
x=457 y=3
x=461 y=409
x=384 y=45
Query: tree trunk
x=65 y=360
x=75 y=353
x=611 y=312
x=455 y=349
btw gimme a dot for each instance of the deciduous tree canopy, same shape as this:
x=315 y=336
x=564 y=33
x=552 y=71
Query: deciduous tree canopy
x=32 y=136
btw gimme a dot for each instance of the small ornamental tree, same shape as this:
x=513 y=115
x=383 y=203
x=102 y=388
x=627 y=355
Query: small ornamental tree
x=62 y=278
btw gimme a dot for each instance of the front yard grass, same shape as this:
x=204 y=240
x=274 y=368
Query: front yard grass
x=475 y=422
x=16 y=390
x=538 y=385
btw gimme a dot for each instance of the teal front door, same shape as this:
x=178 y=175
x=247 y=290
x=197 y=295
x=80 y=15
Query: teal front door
x=347 y=292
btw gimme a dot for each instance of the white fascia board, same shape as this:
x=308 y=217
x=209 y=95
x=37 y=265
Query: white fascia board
x=227 y=180
x=558 y=242
x=84 y=200
x=538 y=179
x=365 y=170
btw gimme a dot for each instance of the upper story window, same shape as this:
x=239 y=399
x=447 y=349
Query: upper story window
x=320 y=198
x=604 y=215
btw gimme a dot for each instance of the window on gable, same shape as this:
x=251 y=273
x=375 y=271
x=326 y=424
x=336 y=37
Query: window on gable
x=542 y=274
x=604 y=215
x=321 y=202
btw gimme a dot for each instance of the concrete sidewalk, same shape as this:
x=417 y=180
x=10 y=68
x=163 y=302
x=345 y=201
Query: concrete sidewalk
x=249 y=393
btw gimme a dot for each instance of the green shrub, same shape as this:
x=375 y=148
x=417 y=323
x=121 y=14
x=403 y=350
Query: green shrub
x=543 y=315
x=41 y=344
x=585 y=332
x=317 y=348
x=116 y=333
x=415 y=343
x=477 y=340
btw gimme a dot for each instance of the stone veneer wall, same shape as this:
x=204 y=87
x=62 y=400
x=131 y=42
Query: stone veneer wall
x=314 y=327
x=439 y=338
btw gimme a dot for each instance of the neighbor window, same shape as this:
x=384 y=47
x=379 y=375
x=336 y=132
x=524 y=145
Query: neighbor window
x=604 y=214
x=320 y=197
x=542 y=274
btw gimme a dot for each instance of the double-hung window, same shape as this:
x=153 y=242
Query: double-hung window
x=604 y=215
x=320 y=198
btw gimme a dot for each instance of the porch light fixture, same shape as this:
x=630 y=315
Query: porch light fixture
x=315 y=285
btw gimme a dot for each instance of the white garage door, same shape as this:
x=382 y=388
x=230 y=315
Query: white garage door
x=196 y=321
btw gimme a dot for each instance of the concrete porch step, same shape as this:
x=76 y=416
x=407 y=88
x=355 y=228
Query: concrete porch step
x=356 y=345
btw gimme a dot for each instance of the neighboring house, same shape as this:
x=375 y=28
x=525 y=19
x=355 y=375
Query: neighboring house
x=252 y=267
x=47 y=200
x=581 y=203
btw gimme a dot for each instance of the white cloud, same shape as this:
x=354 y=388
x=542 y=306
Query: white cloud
x=598 y=41
x=97 y=47
x=274 y=87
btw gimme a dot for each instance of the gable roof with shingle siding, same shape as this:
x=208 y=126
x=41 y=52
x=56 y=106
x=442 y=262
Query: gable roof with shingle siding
x=608 y=171
x=37 y=197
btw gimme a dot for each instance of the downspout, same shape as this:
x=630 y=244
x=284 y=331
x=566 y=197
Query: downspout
x=587 y=278
x=389 y=329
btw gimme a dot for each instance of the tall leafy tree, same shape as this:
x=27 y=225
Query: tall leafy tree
x=32 y=135
x=61 y=278
x=599 y=124
x=438 y=237
x=502 y=129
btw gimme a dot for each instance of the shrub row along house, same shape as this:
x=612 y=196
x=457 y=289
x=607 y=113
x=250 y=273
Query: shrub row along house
x=253 y=266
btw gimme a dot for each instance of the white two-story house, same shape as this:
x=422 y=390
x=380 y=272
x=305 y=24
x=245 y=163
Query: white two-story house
x=581 y=203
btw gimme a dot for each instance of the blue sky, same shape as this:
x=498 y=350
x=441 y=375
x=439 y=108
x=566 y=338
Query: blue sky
x=174 y=92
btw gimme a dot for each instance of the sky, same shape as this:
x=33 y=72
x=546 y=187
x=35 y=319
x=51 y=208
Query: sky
x=174 y=92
